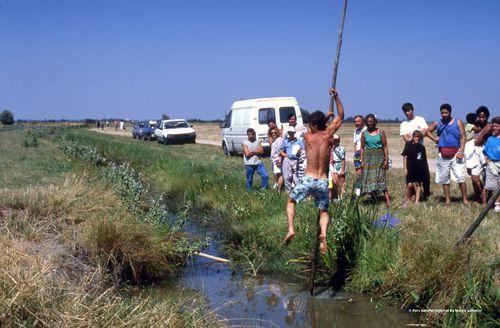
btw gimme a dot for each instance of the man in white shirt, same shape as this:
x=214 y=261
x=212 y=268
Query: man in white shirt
x=411 y=123
x=406 y=129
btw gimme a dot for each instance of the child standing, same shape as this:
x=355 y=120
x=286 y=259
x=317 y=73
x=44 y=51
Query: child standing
x=415 y=166
x=336 y=175
x=471 y=128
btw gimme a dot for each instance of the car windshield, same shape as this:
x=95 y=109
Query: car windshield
x=177 y=124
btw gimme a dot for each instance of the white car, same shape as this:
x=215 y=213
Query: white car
x=175 y=131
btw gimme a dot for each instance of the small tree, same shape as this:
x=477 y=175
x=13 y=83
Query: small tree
x=165 y=117
x=6 y=117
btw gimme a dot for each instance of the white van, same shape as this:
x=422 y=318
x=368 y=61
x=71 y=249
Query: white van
x=255 y=113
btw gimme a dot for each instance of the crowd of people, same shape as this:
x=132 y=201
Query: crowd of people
x=472 y=148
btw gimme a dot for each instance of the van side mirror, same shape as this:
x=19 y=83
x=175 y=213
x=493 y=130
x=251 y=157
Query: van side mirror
x=222 y=124
x=191 y=125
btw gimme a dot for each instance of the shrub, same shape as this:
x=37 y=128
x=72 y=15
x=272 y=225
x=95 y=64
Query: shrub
x=6 y=117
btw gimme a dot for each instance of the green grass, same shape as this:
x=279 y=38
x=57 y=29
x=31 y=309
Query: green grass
x=69 y=243
x=415 y=263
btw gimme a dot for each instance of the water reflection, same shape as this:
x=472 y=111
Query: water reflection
x=280 y=302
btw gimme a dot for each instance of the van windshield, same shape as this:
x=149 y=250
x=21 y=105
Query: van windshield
x=284 y=112
x=266 y=115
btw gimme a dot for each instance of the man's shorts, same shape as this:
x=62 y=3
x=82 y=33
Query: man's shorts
x=310 y=186
x=474 y=158
x=450 y=167
x=357 y=159
x=492 y=175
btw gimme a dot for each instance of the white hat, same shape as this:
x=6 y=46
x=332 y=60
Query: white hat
x=290 y=129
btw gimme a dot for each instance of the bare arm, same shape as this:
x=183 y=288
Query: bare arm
x=405 y=164
x=260 y=149
x=463 y=139
x=362 y=150
x=407 y=137
x=429 y=131
x=342 y=170
x=481 y=137
x=247 y=151
x=386 y=151
x=337 y=121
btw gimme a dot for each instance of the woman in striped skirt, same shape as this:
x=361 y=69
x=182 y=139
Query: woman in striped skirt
x=374 y=159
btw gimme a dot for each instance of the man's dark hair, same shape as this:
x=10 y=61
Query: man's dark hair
x=290 y=115
x=361 y=116
x=250 y=130
x=371 y=116
x=269 y=121
x=318 y=119
x=406 y=107
x=445 y=106
x=484 y=110
x=471 y=118
x=496 y=120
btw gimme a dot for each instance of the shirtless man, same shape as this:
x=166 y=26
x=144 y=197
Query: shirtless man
x=318 y=143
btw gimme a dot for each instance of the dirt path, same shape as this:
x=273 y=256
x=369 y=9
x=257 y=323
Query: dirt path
x=209 y=134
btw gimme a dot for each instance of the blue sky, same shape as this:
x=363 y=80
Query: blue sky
x=192 y=59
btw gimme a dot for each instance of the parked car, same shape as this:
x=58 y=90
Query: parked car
x=149 y=130
x=175 y=131
x=138 y=130
x=255 y=113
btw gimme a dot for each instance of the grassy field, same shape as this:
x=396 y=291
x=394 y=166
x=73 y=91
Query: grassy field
x=415 y=263
x=69 y=243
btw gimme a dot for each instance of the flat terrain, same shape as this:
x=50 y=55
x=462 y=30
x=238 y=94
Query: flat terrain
x=210 y=134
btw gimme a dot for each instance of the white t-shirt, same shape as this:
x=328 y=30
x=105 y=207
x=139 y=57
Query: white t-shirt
x=357 y=138
x=407 y=126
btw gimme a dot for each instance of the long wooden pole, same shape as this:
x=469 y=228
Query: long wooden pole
x=479 y=218
x=337 y=56
x=314 y=255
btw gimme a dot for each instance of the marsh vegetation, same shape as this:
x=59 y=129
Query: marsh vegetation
x=414 y=263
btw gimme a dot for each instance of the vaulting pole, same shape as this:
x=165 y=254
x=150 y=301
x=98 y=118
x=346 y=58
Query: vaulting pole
x=314 y=255
x=479 y=218
x=337 y=56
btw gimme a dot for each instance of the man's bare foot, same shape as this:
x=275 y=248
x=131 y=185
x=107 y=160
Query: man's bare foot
x=466 y=202
x=288 y=238
x=322 y=244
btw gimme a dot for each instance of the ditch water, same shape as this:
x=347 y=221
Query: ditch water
x=273 y=301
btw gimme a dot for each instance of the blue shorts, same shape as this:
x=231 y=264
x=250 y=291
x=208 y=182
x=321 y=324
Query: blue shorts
x=357 y=159
x=310 y=186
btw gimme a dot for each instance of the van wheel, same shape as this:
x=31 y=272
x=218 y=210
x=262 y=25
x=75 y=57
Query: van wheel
x=225 y=150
